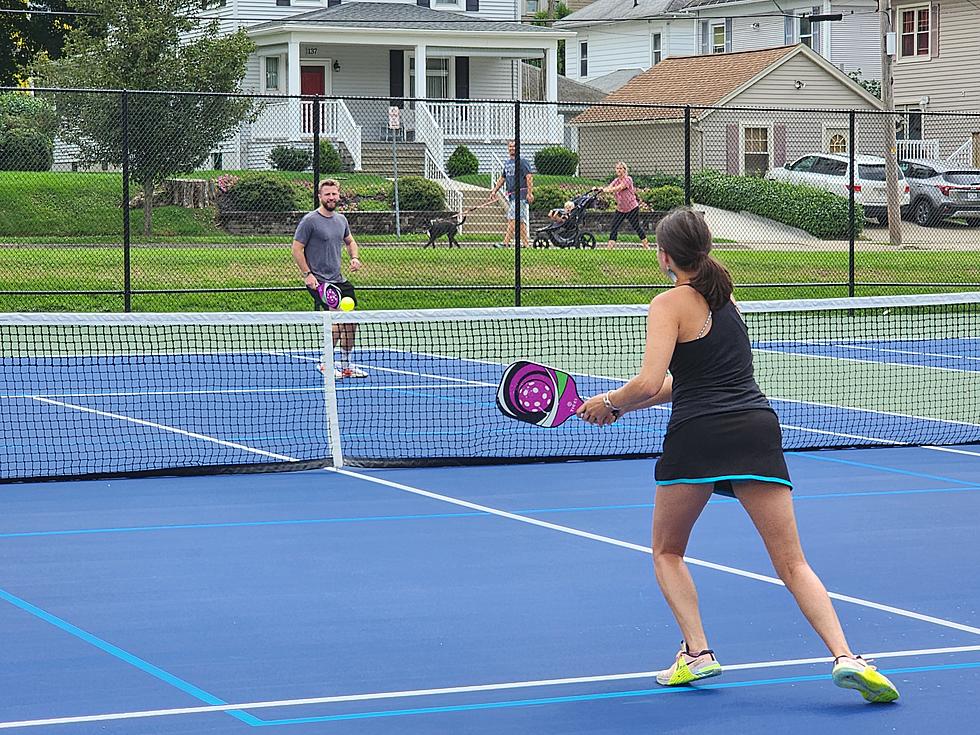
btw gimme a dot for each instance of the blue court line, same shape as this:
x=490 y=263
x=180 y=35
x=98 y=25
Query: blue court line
x=882 y=468
x=598 y=696
x=124 y=656
x=462 y=514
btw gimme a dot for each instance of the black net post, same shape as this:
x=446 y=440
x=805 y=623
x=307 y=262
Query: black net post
x=127 y=238
x=316 y=151
x=687 y=155
x=852 y=225
x=518 y=204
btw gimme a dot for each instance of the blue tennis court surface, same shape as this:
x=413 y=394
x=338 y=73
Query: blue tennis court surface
x=508 y=599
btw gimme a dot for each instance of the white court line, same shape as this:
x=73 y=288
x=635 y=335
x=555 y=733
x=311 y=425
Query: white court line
x=907 y=352
x=231 y=391
x=500 y=686
x=393 y=370
x=645 y=549
x=164 y=427
x=952 y=450
x=865 y=362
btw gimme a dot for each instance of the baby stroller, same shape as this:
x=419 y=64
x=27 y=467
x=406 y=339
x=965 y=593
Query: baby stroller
x=571 y=232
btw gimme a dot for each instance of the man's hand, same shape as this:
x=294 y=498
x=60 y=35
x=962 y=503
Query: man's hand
x=530 y=197
x=311 y=281
x=355 y=263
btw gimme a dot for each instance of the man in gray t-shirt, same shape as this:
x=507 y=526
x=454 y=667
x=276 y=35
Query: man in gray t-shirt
x=317 y=245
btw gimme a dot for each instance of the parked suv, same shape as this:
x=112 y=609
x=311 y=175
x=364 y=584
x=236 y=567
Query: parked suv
x=831 y=172
x=942 y=190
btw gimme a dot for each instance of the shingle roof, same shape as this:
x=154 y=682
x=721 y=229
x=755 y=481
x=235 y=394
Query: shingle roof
x=623 y=10
x=684 y=80
x=569 y=91
x=615 y=79
x=401 y=16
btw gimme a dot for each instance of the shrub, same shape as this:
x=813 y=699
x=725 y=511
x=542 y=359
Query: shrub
x=556 y=160
x=330 y=162
x=284 y=158
x=548 y=197
x=653 y=181
x=417 y=193
x=259 y=193
x=24 y=149
x=818 y=212
x=22 y=110
x=663 y=198
x=462 y=162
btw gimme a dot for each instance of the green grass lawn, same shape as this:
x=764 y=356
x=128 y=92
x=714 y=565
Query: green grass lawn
x=467 y=277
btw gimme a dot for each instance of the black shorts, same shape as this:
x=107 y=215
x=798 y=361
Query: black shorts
x=719 y=448
x=346 y=289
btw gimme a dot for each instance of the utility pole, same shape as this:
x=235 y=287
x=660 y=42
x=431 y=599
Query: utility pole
x=887 y=97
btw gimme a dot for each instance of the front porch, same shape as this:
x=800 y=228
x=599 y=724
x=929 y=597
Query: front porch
x=454 y=81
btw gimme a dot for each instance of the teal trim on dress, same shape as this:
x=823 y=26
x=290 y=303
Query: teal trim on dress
x=703 y=480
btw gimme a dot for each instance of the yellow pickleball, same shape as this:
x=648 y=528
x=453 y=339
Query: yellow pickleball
x=347 y=304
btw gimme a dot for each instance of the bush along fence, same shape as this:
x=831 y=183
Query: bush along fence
x=174 y=201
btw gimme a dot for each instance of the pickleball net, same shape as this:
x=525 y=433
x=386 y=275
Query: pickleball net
x=128 y=394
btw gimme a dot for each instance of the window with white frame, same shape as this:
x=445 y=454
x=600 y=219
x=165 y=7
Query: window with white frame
x=718 y=38
x=806 y=32
x=656 y=48
x=914 y=31
x=532 y=6
x=835 y=140
x=756 y=150
x=445 y=4
x=271 y=73
x=436 y=77
x=583 y=59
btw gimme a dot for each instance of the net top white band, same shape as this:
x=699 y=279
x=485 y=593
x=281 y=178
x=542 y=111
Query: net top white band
x=507 y=313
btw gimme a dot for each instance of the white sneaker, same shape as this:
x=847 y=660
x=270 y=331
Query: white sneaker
x=853 y=672
x=688 y=667
x=353 y=372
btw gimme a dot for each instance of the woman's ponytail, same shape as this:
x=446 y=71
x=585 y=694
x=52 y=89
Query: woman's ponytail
x=684 y=236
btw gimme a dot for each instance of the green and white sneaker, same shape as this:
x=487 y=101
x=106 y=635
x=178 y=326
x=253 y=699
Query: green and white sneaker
x=689 y=667
x=853 y=672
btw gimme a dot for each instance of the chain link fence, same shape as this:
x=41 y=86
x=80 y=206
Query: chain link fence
x=151 y=201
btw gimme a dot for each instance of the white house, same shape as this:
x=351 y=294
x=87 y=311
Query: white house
x=441 y=50
x=647 y=32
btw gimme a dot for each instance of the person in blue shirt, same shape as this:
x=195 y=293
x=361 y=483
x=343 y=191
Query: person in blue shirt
x=515 y=171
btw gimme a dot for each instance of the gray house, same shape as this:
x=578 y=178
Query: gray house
x=739 y=141
x=935 y=67
x=615 y=35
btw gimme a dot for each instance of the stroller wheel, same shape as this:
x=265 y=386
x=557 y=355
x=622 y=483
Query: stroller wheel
x=540 y=242
x=587 y=239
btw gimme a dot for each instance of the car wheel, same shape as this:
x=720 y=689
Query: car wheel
x=924 y=213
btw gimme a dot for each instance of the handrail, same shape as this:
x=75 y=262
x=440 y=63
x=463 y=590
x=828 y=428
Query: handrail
x=962 y=156
x=427 y=131
x=348 y=132
x=435 y=172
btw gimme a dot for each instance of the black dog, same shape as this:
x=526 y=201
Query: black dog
x=448 y=227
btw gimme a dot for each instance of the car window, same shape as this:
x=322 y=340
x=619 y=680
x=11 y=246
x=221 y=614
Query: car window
x=830 y=167
x=962 y=178
x=804 y=164
x=875 y=172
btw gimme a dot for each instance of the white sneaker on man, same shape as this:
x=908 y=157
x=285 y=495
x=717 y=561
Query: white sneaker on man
x=353 y=372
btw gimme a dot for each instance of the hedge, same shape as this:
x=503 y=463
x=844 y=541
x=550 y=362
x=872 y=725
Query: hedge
x=24 y=149
x=462 y=162
x=556 y=160
x=330 y=162
x=816 y=211
x=418 y=193
x=663 y=198
x=284 y=158
x=262 y=193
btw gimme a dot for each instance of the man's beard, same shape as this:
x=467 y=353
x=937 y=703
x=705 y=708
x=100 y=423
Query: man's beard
x=329 y=206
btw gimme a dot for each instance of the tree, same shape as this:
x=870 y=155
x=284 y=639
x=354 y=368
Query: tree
x=141 y=45
x=23 y=35
x=554 y=12
x=873 y=86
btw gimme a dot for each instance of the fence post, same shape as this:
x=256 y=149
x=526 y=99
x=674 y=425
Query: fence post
x=518 y=205
x=316 y=151
x=127 y=237
x=687 y=155
x=852 y=225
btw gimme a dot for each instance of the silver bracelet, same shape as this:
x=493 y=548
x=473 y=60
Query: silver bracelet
x=608 y=404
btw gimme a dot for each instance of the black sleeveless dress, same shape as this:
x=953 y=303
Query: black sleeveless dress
x=721 y=426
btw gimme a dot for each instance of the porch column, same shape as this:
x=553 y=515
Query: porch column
x=420 y=87
x=293 y=126
x=551 y=72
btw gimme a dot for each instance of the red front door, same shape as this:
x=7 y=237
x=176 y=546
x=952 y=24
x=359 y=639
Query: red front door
x=311 y=80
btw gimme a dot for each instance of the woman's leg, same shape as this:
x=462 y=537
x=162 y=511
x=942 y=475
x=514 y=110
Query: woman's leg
x=770 y=506
x=614 y=229
x=675 y=510
x=634 y=220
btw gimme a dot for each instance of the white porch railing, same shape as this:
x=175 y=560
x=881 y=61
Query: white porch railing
x=494 y=123
x=918 y=149
x=428 y=131
x=962 y=156
x=336 y=122
x=435 y=172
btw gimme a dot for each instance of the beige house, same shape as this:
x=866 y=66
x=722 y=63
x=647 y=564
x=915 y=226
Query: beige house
x=741 y=133
x=936 y=61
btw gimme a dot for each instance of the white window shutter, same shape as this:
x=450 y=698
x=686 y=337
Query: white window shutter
x=728 y=35
x=705 y=39
x=816 y=29
x=789 y=31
